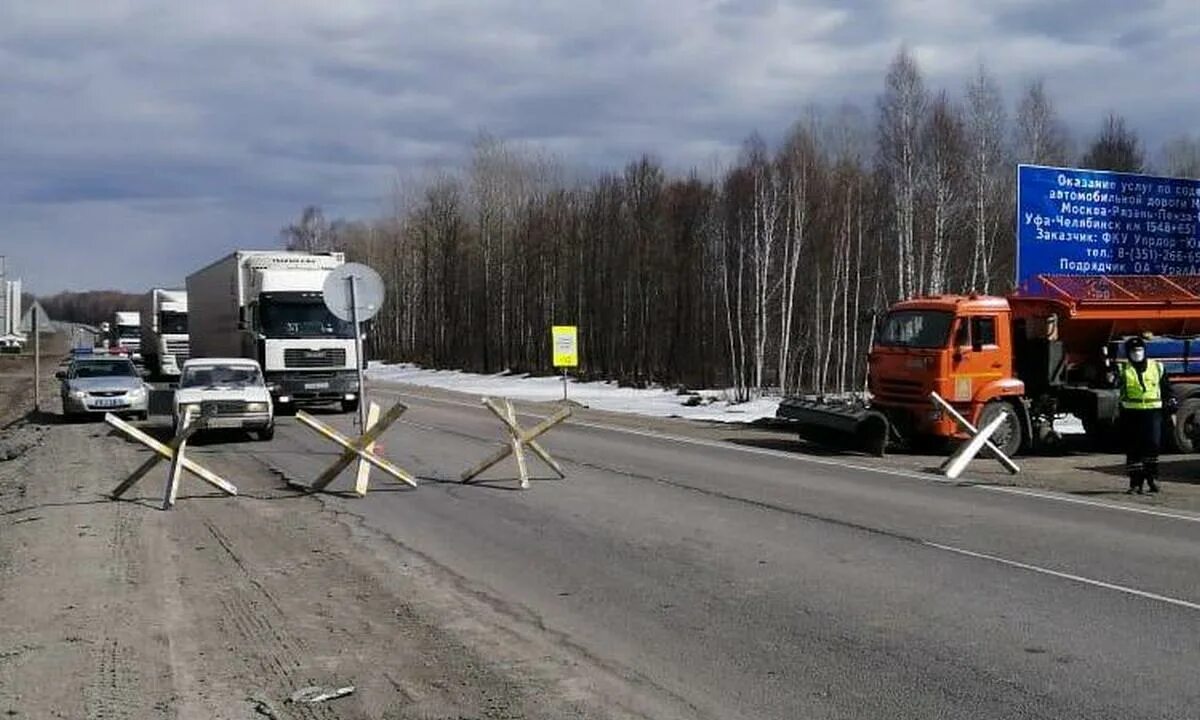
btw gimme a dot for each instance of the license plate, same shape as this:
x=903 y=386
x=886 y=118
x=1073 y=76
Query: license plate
x=108 y=402
x=316 y=386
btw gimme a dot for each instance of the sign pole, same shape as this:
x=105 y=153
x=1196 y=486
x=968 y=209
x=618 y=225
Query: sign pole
x=564 y=384
x=358 y=354
x=37 y=362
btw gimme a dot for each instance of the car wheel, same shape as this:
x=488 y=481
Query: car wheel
x=267 y=434
x=349 y=406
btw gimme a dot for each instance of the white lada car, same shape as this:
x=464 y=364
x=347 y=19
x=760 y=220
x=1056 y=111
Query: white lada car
x=229 y=391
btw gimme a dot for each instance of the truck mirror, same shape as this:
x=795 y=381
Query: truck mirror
x=976 y=345
x=60 y=375
x=241 y=325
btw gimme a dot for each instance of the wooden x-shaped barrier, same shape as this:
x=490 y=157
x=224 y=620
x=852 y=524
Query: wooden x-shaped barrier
x=518 y=441
x=173 y=452
x=980 y=438
x=361 y=448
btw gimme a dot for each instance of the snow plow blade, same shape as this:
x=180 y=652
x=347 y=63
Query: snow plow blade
x=845 y=426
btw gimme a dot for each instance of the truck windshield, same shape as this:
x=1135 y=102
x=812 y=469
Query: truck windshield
x=220 y=376
x=172 y=323
x=916 y=329
x=129 y=331
x=303 y=317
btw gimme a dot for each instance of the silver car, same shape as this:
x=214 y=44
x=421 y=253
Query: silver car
x=103 y=385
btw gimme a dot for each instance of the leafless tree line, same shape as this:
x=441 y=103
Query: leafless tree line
x=768 y=274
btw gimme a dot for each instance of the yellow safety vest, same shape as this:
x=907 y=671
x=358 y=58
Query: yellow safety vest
x=1136 y=397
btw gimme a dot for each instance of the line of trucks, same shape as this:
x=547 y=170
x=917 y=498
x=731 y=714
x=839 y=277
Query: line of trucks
x=263 y=305
x=1051 y=349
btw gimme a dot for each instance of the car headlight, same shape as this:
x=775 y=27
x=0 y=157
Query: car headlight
x=256 y=407
x=78 y=394
x=138 y=393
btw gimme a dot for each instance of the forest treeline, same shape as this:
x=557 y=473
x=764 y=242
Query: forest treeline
x=766 y=274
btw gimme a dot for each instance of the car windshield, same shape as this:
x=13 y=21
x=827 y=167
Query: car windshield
x=301 y=318
x=103 y=368
x=916 y=329
x=220 y=376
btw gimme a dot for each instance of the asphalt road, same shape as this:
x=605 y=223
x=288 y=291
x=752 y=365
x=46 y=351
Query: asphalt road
x=738 y=582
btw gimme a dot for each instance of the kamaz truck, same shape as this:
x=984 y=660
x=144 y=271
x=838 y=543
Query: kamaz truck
x=1053 y=349
x=165 y=331
x=267 y=305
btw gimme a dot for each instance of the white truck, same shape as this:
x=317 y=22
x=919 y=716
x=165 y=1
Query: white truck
x=267 y=305
x=165 y=331
x=125 y=333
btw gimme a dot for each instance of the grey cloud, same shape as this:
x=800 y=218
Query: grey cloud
x=177 y=131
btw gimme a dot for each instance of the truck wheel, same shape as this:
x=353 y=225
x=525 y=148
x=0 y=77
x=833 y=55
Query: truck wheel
x=1010 y=435
x=1187 y=425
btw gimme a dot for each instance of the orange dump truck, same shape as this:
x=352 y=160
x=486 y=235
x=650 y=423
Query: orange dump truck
x=1047 y=351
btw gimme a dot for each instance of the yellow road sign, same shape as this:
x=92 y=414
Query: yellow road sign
x=566 y=345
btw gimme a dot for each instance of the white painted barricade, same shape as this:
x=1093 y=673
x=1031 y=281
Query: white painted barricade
x=971 y=430
x=174 y=452
x=519 y=439
x=968 y=450
x=361 y=447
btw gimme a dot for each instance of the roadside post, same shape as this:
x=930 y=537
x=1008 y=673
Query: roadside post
x=956 y=463
x=361 y=447
x=565 y=341
x=37 y=361
x=174 y=452
x=354 y=292
x=518 y=440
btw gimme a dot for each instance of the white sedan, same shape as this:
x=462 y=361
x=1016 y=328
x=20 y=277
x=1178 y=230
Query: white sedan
x=230 y=392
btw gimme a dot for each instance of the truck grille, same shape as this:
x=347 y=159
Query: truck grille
x=901 y=389
x=180 y=349
x=324 y=358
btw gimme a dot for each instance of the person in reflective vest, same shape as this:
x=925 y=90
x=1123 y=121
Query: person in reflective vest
x=1142 y=386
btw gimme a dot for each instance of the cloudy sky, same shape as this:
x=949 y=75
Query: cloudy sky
x=141 y=139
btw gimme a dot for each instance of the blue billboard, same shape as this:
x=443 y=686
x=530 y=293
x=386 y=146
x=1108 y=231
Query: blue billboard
x=1094 y=222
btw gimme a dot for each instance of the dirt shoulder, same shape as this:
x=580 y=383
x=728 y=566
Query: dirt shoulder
x=1078 y=471
x=225 y=606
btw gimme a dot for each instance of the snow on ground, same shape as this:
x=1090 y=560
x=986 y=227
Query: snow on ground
x=597 y=395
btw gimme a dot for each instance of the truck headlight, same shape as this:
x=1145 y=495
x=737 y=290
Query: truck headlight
x=256 y=407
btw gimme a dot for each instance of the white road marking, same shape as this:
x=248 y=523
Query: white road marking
x=1049 y=495
x=1066 y=576
x=829 y=462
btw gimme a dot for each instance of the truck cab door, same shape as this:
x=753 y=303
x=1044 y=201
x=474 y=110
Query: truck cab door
x=978 y=357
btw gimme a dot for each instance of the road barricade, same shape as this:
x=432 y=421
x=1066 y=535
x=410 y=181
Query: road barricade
x=363 y=448
x=174 y=452
x=980 y=438
x=518 y=441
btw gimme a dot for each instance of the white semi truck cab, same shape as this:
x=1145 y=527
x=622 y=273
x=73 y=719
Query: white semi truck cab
x=126 y=333
x=165 y=331
x=267 y=305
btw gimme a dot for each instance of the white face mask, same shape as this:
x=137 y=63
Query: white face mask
x=1137 y=354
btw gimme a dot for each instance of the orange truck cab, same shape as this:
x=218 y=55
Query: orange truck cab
x=1052 y=349
x=960 y=347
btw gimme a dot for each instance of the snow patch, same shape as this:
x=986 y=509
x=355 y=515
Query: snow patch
x=714 y=405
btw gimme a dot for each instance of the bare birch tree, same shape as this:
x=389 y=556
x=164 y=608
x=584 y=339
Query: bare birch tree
x=1040 y=136
x=901 y=114
x=985 y=137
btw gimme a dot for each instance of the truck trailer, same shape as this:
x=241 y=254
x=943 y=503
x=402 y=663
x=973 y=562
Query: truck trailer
x=268 y=305
x=165 y=331
x=1054 y=348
